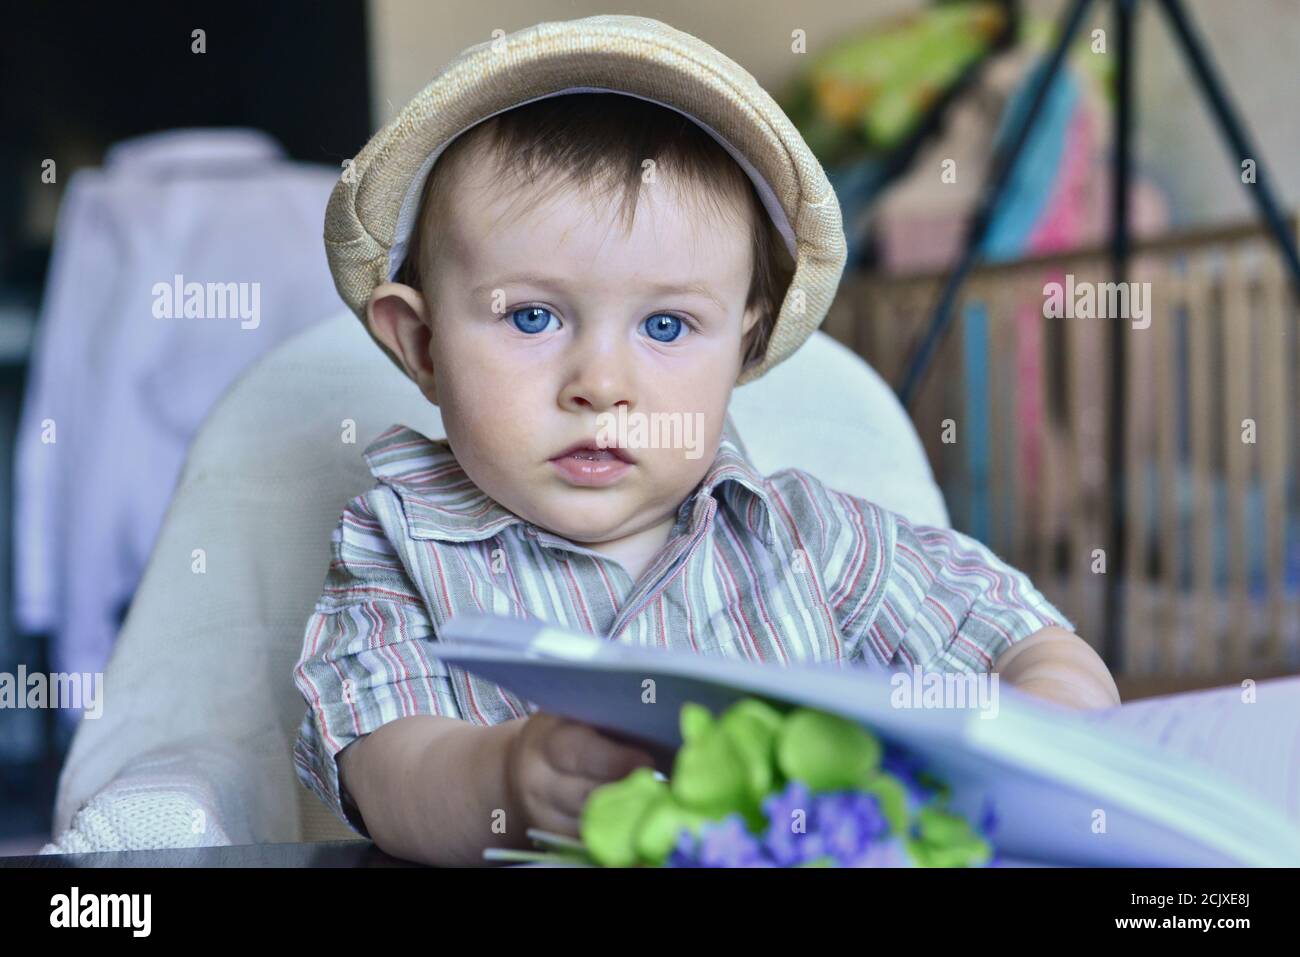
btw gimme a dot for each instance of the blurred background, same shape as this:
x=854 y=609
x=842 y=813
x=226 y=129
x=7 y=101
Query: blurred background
x=181 y=144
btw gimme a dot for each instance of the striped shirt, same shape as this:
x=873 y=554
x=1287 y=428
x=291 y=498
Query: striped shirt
x=776 y=569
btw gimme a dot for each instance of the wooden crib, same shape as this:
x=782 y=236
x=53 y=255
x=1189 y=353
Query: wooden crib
x=1014 y=416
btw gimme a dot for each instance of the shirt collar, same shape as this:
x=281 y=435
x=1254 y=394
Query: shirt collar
x=184 y=151
x=442 y=503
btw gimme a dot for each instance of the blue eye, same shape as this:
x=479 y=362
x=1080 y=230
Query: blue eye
x=663 y=327
x=532 y=319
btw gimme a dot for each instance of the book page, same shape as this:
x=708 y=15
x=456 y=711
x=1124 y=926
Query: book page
x=1254 y=744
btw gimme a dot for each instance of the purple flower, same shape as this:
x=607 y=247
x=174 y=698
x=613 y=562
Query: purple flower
x=849 y=823
x=988 y=820
x=888 y=853
x=791 y=825
x=847 y=827
x=683 y=854
x=843 y=828
x=724 y=843
x=783 y=804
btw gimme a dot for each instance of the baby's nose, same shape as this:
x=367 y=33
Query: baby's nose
x=600 y=380
x=598 y=395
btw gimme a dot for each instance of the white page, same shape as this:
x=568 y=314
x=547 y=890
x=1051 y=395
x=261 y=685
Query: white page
x=1253 y=745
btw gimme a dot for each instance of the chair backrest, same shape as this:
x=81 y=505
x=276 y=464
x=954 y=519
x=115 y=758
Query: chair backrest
x=206 y=654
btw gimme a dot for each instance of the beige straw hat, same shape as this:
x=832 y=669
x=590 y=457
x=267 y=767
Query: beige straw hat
x=373 y=207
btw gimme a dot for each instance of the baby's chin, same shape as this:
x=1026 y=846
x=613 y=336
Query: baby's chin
x=593 y=522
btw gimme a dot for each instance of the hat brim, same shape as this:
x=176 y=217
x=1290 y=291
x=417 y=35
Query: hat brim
x=372 y=208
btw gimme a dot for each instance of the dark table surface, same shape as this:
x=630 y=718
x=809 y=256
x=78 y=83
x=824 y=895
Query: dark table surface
x=326 y=854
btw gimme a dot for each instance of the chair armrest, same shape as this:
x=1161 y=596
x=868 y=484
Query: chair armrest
x=168 y=798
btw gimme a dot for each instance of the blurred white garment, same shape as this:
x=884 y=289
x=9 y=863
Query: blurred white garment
x=114 y=392
x=170 y=798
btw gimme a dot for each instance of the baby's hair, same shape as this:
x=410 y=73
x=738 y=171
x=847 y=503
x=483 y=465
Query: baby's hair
x=599 y=142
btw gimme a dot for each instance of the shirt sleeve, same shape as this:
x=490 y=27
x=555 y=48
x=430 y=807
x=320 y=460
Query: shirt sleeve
x=364 y=659
x=919 y=596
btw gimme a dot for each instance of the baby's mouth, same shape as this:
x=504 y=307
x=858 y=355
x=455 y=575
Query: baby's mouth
x=589 y=452
x=585 y=465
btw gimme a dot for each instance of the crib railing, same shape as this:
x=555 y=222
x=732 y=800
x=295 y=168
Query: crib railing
x=1015 y=419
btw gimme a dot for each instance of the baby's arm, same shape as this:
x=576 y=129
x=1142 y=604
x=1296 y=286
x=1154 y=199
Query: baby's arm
x=932 y=598
x=422 y=769
x=384 y=743
x=439 y=790
x=1060 y=666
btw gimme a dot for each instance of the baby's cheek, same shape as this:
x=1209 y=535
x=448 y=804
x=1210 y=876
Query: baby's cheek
x=698 y=391
x=479 y=389
x=488 y=420
x=678 y=470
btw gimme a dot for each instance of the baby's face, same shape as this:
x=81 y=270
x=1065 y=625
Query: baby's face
x=550 y=324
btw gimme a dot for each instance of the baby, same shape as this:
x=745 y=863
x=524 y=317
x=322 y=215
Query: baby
x=554 y=282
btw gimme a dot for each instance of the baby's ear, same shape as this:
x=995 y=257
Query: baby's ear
x=396 y=316
x=750 y=331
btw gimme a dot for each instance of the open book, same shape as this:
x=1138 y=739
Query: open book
x=1197 y=779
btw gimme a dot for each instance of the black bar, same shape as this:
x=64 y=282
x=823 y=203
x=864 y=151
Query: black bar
x=1112 y=638
x=244 y=907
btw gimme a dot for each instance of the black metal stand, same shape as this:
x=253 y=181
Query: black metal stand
x=1004 y=160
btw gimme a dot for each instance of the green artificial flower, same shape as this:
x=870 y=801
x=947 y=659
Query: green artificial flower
x=661 y=826
x=826 y=752
x=712 y=773
x=942 y=839
x=891 y=794
x=731 y=764
x=723 y=766
x=611 y=818
x=753 y=727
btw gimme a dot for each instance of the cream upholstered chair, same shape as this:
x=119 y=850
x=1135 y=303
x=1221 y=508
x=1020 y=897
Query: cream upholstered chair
x=200 y=710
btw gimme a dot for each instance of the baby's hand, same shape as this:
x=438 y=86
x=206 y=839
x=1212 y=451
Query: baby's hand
x=552 y=765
